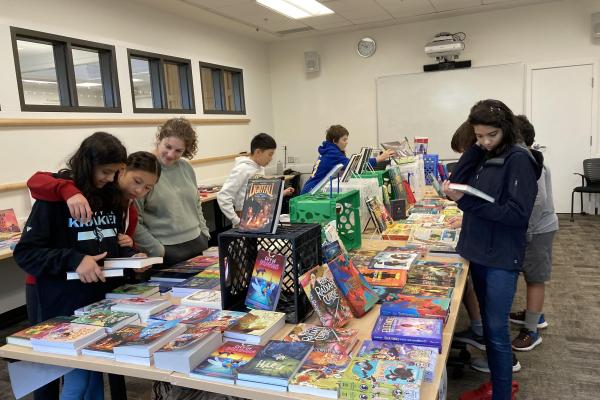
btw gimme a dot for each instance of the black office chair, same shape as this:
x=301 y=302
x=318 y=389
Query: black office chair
x=590 y=182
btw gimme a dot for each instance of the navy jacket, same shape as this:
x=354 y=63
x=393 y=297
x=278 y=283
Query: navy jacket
x=494 y=234
x=330 y=155
x=53 y=244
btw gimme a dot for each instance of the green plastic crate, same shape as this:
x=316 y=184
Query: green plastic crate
x=385 y=181
x=320 y=209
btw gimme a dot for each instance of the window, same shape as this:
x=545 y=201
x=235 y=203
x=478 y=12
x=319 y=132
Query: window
x=222 y=89
x=56 y=73
x=160 y=84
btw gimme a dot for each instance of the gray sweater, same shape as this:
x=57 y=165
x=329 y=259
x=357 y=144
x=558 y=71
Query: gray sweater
x=543 y=217
x=172 y=212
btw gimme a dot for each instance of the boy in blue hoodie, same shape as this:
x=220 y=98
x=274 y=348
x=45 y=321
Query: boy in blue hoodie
x=333 y=152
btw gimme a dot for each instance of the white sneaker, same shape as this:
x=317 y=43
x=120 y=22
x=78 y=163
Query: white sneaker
x=480 y=364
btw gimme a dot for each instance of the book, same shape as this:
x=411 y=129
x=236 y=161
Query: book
x=365 y=155
x=130 y=262
x=184 y=314
x=323 y=294
x=202 y=261
x=396 y=182
x=358 y=293
x=440 y=239
x=193 y=284
x=23 y=337
x=394 y=260
x=417 y=306
x=419 y=331
x=466 y=189
x=436 y=185
x=394 y=278
x=221 y=319
x=362 y=258
x=133 y=290
x=142 y=306
x=420 y=144
x=262 y=206
x=324 y=339
x=9 y=226
x=147 y=340
x=186 y=350
x=379 y=214
x=66 y=338
x=402 y=149
x=177 y=275
x=350 y=168
x=319 y=375
x=108 y=273
x=324 y=183
x=103 y=348
x=422 y=357
x=102 y=305
x=276 y=363
x=222 y=364
x=426 y=290
x=256 y=327
x=109 y=320
x=398 y=231
x=265 y=282
x=436 y=275
x=203 y=298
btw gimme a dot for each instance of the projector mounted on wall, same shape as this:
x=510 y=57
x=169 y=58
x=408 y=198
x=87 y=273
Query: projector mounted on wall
x=445 y=48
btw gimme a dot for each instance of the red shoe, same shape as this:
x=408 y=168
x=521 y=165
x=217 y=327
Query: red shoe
x=484 y=392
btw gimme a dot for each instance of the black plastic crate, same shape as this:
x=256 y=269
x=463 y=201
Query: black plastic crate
x=300 y=244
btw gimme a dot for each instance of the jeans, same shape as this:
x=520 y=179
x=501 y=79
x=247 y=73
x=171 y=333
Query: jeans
x=81 y=384
x=495 y=289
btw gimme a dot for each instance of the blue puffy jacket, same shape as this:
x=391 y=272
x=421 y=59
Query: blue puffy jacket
x=494 y=234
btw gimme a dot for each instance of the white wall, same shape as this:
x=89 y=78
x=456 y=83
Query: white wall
x=344 y=91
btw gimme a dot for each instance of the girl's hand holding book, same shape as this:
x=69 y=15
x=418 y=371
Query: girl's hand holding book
x=88 y=269
x=453 y=195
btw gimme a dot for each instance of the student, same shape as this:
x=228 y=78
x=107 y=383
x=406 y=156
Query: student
x=171 y=224
x=232 y=194
x=53 y=243
x=537 y=265
x=333 y=152
x=492 y=237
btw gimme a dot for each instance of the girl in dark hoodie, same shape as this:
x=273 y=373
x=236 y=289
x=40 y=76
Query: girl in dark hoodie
x=493 y=237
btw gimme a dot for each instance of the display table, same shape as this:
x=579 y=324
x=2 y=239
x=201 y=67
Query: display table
x=5 y=253
x=429 y=391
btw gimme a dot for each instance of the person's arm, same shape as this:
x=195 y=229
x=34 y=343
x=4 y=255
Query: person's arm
x=540 y=200
x=521 y=185
x=227 y=194
x=385 y=155
x=44 y=186
x=467 y=164
x=143 y=237
x=201 y=221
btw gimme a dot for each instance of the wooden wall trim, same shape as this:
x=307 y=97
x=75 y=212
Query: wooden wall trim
x=45 y=122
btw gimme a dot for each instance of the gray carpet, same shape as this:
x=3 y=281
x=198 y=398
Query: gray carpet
x=565 y=366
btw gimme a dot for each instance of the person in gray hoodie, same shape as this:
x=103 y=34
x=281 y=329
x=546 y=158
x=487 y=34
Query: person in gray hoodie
x=232 y=194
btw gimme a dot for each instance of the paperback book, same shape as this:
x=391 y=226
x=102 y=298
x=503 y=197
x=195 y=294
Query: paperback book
x=392 y=278
x=265 y=282
x=133 y=290
x=256 y=327
x=131 y=262
x=417 y=306
x=470 y=190
x=200 y=262
x=23 y=337
x=426 y=290
x=329 y=304
x=398 y=231
x=379 y=214
x=418 y=331
x=104 y=347
x=66 y=338
x=320 y=374
x=184 y=314
x=148 y=339
x=203 y=298
x=362 y=258
x=394 y=260
x=420 y=274
x=109 y=320
x=185 y=351
x=435 y=238
x=221 y=319
x=194 y=284
x=9 y=227
x=356 y=290
x=142 y=306
x=262 y=206
x=222 y=364
x=323 y=339
x=102 y=305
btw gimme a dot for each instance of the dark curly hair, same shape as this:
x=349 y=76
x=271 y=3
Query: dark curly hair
x=527 y=130
x=463 y=138
x=497 y=114
x=144 y=161
x=180 y=128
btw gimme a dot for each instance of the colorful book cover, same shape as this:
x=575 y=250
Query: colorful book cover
x=199 y=283
x=362 y=258
x=148 y=334
x=256 y=322
x=199 y=262
x=398 y=231
x=326 y=340
x=379 y=214
x=329 y=304
x=417 y=306
x=137 y=289
x=67 y=333
x=394 y=278
x=262 y=206
x=221 y=319
x=278 y=359
x=427 y=291
x=321 y=370
x=396 y=181
x=38 y=330
x=203 y=298
x=439 y=239
x=187 y=339
x=429 y=274
x=422 y=357
x=331 y=250
x=102 y=305
x=185 y=314
x=108 y=343
x=265 y=283
x=394 y=260
x=358 y=292
x=9 y=226
x=210 y=272
x=103 y=318
x=419 y=331
x=224 y=361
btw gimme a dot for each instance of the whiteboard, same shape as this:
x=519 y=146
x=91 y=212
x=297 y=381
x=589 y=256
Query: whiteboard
x=434 y=104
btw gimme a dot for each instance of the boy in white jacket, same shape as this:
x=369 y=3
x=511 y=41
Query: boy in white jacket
x=232 y=194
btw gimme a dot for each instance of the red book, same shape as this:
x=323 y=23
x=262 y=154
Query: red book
x=410 y=197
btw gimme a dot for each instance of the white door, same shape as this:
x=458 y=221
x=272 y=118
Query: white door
x=561 y=112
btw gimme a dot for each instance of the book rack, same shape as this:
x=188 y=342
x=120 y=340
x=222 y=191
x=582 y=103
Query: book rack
x=344 y=208
x=300 y=244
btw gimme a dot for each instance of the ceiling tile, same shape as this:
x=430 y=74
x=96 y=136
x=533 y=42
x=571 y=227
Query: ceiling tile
x=326 y=21
x=448 y=5
x=406 y=8
x=257 y=15
x=373 y=19
x=213 y=4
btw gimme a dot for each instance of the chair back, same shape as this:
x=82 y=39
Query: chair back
x=591 y=170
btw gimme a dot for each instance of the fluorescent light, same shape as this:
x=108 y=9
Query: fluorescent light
x=296 y=9
x=40 y=82
x=88 y=84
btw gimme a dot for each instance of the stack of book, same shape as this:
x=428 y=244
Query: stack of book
x=204 y=298
x=222 y=364
x=23 y=337
x=432 y=273
x=320 y=374
x=195 y=284
x=417 y=307
x=133 y=290
x=256 y=327
x=408 y=330
x=184 y=314
x=109 y=320
x=66 y=338
x=113 y=267
x=323 y=339
x=142 y=306
x=185 y=351
x=221 y=319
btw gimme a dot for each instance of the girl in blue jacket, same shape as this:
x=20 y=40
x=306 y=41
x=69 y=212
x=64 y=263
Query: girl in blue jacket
x=493 y=235
x=333 y=152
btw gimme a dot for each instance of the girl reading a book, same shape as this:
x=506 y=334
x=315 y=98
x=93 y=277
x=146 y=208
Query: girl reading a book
x=53 y=243
x=333 y=152
x=493 y=237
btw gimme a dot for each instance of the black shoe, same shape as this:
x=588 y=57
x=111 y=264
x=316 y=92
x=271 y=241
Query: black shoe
x=471 y=338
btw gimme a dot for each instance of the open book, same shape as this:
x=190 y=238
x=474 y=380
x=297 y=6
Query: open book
x=472 y=191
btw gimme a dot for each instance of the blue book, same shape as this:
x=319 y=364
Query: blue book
x=417 y=306
x=409 y=330
x=265 y=282
x=221 y=364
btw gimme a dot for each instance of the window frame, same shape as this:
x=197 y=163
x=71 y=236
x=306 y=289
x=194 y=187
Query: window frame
x=221 y=94
x=65 y=72
x=159 y=86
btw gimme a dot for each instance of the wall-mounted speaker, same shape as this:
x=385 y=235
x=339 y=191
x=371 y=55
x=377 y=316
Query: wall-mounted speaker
x=596 y=25
x=311 y=61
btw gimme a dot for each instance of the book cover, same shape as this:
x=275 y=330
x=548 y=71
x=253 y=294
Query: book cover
x=419 y=331
x=324 y=339
x=67 y=335
x=350 y=168
x=427 y=291
x=276 y=363
x=365 y=155
x=198 y=283
x=362 y=258
x=204 y=298
x=221 y=319
x=398 y=231
x=108 y=343
x=185 y=314
x=262 y=206
x=321 y=371
x=435 y=238
x=329 y=304
x=22 y=337
x=147 y=334
x=256 y=322
x=265 y=282
x=470 y=190
x=379 y=214
x=210 y=272
x=356 y=290
x=186 y=340
x=394 y=260
x=420 y=144
x=9 y=227
x=417 y=306
x=102 y=305
x=133 y=290
x=331 y=250
x=396 y=181
x=394 y=278
x=104 y=318
x=199 y=262
x=223 y=363
x=421 y=274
